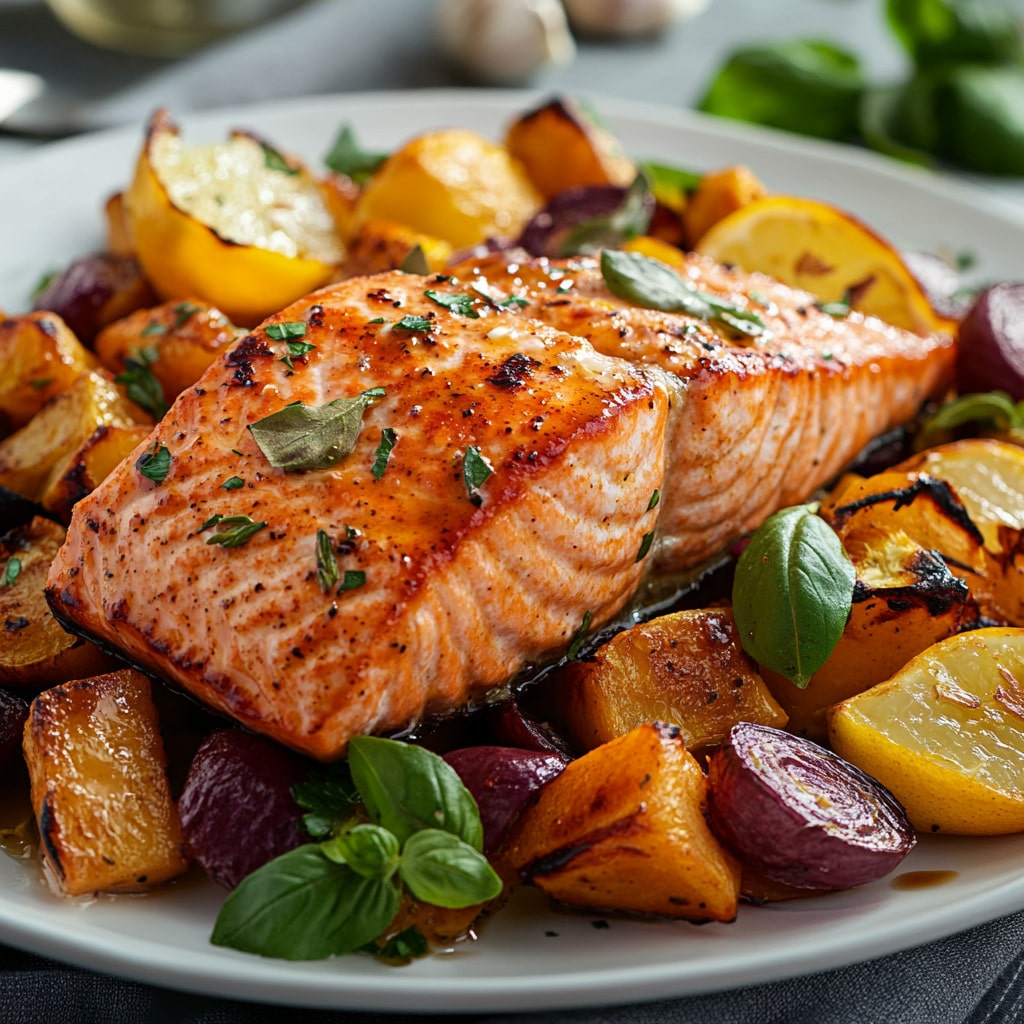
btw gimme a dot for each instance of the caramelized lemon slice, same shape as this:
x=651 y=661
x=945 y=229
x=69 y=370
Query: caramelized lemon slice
x=817 y=247
x=234 y=223
x=946 y=734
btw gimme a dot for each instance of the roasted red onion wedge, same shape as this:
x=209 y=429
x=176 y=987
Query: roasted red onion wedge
x=991 y=350
x=13 y=714
x=801 y=815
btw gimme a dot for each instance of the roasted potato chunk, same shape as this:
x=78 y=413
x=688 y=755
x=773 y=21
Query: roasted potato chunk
x=36 y=651
x=623 y=829
x=87 y=466
x=561 y=147
x=30 y=456
x=906 y=598
x=106 y=819
x=383 y=245
x=39 y=358
x=179 y=339
x=687 y=669
x=719 y=194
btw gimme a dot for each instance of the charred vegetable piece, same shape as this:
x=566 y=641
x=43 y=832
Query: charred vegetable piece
x=801 y=815
x=99 y=786
x=35 y=650
x=13 y=714
x=94 y=291
x=622 y=828
x=17 y=510
x=512 y=726
x=237 y=809
x=991 y=351
x=502 y=780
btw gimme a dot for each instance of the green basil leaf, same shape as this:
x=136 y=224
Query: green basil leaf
x=304 y=906
x=881 y=121
x=804 y=85
x=369 y=850
x=995 y=409
x=408 y=944
x=938 y=32
x=651 y=284
x=299 y=438
x=234 y=530
x=347 y=157
x=233 y=483
x=290 y=331
x=406 y=788
x=12 y=570
x=155 y=463
x=442 y=870
x=792 y=593
x=329 y=797
x=629 y=219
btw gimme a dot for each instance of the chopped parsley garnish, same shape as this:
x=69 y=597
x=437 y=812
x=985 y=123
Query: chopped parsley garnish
x=388 y=438
x=456 y=302
x=295 y=350
x=475 y=470
x=839 y=309
x=153 y=327
x=287 y=331
x=414 y=323
x=141 y=384
x=233 y=483
x=38 y=383
x=655 y=498
x=376 y=320
x=155 y=463
x=580 y=637
x=326 y=562
x=11 y=572
x=352 y=579
x=514 y=300
x=182 y=312
x=233 y=532
x=347 y=157
x=415 y=261
x=645 y=546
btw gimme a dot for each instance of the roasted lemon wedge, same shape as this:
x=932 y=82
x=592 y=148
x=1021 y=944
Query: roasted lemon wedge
x=815 y=246
x=235 y=223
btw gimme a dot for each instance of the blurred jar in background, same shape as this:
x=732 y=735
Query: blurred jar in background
x=162 y=28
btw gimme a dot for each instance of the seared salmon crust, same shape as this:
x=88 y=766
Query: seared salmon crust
x=510 y=483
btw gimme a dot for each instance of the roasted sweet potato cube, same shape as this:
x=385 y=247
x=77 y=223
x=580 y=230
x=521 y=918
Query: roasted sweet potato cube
x=35 y=650
x=686 y=668
x=623 y=829
x=99 y=788
x=381 y=245
x=719 y=193
x=29 y=456
x=182 y=337
x=906 y=599
x=39 y=358
x=561 y=147
x=87 y=466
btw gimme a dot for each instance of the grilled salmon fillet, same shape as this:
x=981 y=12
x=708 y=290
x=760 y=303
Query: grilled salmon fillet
x=766 y=420
x=497 y=498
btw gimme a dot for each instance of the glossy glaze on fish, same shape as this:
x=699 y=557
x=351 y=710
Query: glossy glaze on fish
x=765 y=420
x=452 y=587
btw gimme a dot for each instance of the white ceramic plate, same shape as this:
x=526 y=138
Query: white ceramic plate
x=528 y=957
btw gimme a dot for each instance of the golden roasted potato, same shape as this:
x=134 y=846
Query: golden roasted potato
x=88 y=465
x=39 y=358
x=36 y=651
x=30 y=456
x=687 y=669
x=99 y=786
x=719 y=194
x=561 y=147
x=946 y=734
x=453 y=185
x=623 y=829
x=181 y=339
x=905 y=600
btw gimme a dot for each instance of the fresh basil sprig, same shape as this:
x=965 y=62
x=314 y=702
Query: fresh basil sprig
x=339 y=895
x=652 y=284
x=299 y=438
x=792 y=593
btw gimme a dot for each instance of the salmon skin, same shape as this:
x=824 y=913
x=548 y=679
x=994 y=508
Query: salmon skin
x=766 y=420
x=495 y=501
x=618 y=440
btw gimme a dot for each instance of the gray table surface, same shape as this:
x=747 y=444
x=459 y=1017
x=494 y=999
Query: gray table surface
x=388 y=44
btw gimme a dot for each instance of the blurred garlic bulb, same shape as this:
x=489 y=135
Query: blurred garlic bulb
x=504 y=41
x=629 y=17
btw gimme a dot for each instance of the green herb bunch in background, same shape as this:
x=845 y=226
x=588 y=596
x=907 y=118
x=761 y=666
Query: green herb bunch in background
x=962 y=103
